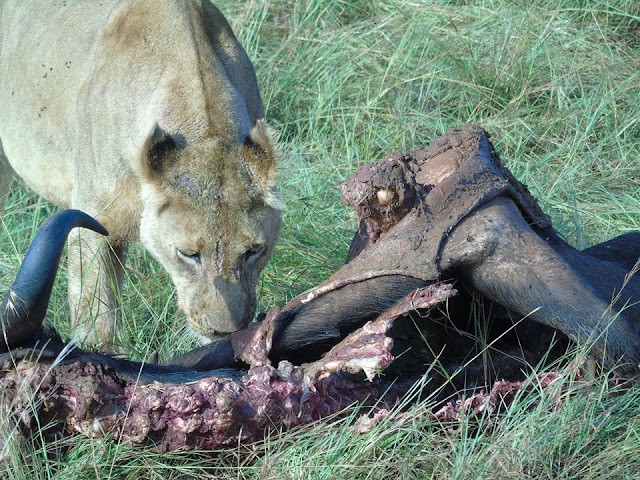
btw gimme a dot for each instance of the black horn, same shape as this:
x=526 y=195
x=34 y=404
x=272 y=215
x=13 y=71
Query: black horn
x=25 y=306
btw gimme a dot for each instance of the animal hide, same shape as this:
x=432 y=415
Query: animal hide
x=444 y=214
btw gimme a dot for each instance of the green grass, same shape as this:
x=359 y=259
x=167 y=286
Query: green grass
x=557 y=84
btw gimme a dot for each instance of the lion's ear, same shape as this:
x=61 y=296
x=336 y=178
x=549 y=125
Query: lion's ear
x=159 y=152
x=260 y=139
x=262 y=158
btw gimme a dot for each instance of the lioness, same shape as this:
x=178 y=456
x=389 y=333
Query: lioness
x=146 y=115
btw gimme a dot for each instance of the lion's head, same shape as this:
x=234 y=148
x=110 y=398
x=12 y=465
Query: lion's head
x=211 y=216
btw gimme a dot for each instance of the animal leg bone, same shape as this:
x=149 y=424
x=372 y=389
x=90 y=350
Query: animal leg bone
x=496 y=252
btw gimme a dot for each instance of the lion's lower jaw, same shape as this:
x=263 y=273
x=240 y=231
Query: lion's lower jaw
x=216 y=324
x=203 y=338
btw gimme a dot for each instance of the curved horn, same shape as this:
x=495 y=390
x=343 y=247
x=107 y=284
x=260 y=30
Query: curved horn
x=25 y=306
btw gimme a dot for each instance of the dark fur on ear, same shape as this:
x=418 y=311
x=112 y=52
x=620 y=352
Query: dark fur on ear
x=159 y=152
x=261 y=157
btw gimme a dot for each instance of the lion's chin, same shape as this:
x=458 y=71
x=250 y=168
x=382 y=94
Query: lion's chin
x=201 y=338
x=205 y=339
x=207 y=331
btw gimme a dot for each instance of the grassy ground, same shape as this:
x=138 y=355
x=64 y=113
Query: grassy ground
x=557 y=84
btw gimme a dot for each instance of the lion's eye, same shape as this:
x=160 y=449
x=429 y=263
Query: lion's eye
x=254 y=253
x=193 y=257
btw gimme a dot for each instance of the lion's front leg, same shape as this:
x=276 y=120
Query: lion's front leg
x=95 y=275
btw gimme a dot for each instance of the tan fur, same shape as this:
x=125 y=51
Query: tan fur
x=145 y=114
